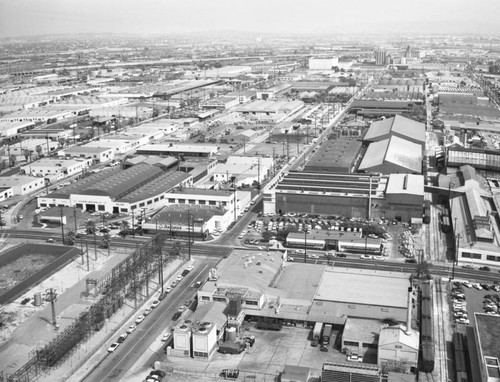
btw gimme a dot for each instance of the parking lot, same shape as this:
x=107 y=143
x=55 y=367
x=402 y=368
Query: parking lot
x=473 y=300
x=395 y=236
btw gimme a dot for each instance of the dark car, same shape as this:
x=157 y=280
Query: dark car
x=250 y=340
x=410 y=261
x=314 y=343
x=184 y=272
x=323 y=348
x=341 y=255
x=176 y=316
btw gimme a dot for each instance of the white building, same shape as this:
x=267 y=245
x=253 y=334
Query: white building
x=316 y=63
x=34 y=146
x=11 y=129
x=21 y=185
x=58 y=168
x=98 y=154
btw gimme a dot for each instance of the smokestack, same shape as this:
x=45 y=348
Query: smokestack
x=408 y=314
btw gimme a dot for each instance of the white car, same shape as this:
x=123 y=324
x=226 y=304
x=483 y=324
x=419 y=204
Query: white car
x=146 y=311
x=241 y=236
x=165 y=337
x=131 y=328
x=168 y=289
x=366 y=257
x=312 y=256
x=381 y=258
x=180 y=277
x=113 y=347
x=154 y=304
x=190 y=268
x=139 y=319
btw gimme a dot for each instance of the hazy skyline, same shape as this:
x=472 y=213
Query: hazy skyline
x=35 y=17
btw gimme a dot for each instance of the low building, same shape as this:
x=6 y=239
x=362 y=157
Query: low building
x=270 y=111
x=13 y=129
x=398 y=349
x=34 y=147
x=58 y=168
x=97 y=154
x=21 y=185
x=361 y=336
x=6 y=193
x=220 y=103
x=176 y=150
x=273 y=92
x=292 y=373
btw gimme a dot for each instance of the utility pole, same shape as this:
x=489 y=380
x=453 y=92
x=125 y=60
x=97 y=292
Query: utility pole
x=189 y=234
x=95 y=245
x=305 y=246
x=160 y=268
x=88 y=260
x=258 y=175
x=74 y=215
x=62 y=223
x=234 y=197
x=133 y=228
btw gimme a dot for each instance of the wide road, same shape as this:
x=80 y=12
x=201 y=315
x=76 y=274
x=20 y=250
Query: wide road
x=114 y=366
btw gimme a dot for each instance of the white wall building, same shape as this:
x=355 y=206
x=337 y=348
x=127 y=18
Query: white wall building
x=98 y=154
x=22 y=185
x=58 y=168
x=316 y=63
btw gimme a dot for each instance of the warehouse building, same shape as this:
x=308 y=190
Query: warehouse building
x=56 y=168
x=335 y=156
x=20 y=185
x=397 y=196
x=113 y=190
x=177 y=150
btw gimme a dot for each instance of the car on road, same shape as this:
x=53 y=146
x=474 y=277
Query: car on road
x=147 y=311
x=154 y=304
x=50 y=240
x=380 y=258
x=312 y=256
x=366 y=257
x=168 y=289
x=122 y=338
x=176 y=316
x=190 y=268
x=463 y=320
x=180 y=277
x=197 y=284
x=182 y=308
x=165 y=337
x=131 y=328
x=174 y=284
x=113 y=347
x=139 y=319
x=467 y=266
x=240 y=236
x=184 y=272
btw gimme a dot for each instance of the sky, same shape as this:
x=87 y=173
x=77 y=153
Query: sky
x=41 y=17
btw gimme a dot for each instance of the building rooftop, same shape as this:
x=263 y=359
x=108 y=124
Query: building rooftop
x=362 y=329
x=179 y=148
x=488 y=332
x=364 y=286
x=163 y=182
x=409 y=184
x=335 y=154
x=395 y=150
x=397 y=335
x=399 y=125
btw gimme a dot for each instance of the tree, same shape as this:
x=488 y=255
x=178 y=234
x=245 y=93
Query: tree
x=90 y=226
x=124 y=228
x=105 y=241
x=26 y=154
x=3 y=164
x=61 y=141
x=424 y=270
x=38 y=150
x=70 y=237
x=13 y=160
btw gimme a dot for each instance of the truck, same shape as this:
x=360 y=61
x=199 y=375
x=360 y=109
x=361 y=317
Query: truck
x=318 y=327
x=327 y=333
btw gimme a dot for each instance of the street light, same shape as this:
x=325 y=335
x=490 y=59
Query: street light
x=305 y=246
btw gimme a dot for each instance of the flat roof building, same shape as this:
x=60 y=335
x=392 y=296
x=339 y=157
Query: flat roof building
x=335 y=156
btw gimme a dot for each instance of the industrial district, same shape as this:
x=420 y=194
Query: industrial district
x=256 y=209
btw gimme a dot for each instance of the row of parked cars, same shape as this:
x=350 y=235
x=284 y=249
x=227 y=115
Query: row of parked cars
x=459 y=305
x=147 y=311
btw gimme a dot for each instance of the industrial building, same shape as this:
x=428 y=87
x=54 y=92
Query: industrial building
x=474 y=211
x=484 y=348
x=56 y=169
x=397 y=196
x=395 y=145
x=323 y=63
x=373 y=108
x=177 y=150
x=113 y=190
x=20 y=185
x=335 y=156
x=271 y=111
x=273 y=92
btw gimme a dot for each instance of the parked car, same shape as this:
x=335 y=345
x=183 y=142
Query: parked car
x=122 y=338
x=139 y=319
x=165 y=337
x=131 y=328
x=176 y=316
x=354 y=357
x=146 y=311
x=154 y=304
x=113 y=347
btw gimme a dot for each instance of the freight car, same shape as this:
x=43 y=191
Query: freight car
x=426 y=337
x=460 y=355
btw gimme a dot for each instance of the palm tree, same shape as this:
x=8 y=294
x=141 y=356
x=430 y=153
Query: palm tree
x=105 y=241
x=90 y=226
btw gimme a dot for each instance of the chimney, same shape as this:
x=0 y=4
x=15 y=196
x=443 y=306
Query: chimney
x=408 y=314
